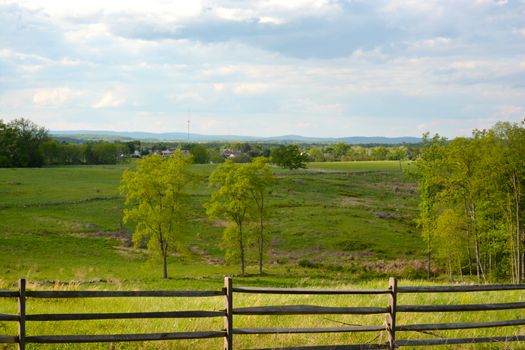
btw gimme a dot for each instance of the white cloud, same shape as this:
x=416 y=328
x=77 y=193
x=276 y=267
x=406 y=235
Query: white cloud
x=110 y=100
x=77 y=8
x=218 y=87
x=414 y=6
x=251 y=89
x=433 y=43
x=54 y=96
x=466 y=64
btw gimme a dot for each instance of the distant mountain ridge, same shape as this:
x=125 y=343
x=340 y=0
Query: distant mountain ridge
x=183 y=137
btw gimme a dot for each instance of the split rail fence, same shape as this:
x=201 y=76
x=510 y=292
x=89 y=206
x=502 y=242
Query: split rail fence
x=390 y=309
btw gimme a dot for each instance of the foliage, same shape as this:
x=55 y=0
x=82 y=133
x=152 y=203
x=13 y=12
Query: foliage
x=289 y=157
x=157 y=201
x=260 y=178
x=232 y=201
x=21 y=143
x=199 y=154
x=470 y=190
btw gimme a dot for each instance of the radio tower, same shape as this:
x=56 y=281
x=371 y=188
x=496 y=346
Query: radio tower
x=189 y=117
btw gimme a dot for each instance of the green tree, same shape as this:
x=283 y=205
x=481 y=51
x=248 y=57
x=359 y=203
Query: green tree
x=22 y=142
x=231 y=200
x=260 y=178
x=7 y=145
x=199 y=154
x=157 y=202
x=428 y=171
x=316 y=154
x=289 y=157
x=512 y=138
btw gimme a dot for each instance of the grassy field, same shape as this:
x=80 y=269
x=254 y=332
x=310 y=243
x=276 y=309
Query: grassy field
x=64 y=223
x=379 y=165
x=343 y=225
x=253 y=341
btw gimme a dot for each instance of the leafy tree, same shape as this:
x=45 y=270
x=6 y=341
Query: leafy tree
x=471 y=201
x=157 y=202
x=340 y=150
x=260 y=178
x=289 y=157
x=21 y=142
x=512 y=137
x=7 y=145
x=199 y=154
x=316 y=154
x=428 y=171
x=231 y=200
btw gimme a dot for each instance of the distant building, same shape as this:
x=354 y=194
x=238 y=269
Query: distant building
x=231 y=153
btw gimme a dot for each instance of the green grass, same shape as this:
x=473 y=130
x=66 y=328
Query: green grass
x=348 y=226
x=40 y=306
x=379 y=165
x=64 y=223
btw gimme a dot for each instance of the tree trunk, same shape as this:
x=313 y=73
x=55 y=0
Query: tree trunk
x=241 y=247
x=460 y=267
x=163 y=246
x=449 y=268
x=429 y=252
x=519 y=260
x=479 y=267
x=261 y=239
x=164 y=266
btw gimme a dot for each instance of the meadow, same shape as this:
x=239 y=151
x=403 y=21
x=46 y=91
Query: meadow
x=342 y=225
x=64 y=224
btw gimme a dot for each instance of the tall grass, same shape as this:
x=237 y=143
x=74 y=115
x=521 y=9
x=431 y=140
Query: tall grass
x=254 y=341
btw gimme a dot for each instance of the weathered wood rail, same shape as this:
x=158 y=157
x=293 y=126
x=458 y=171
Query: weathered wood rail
x=390 y=311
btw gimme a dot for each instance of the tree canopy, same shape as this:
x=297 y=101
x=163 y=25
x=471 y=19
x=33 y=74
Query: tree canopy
x=21 y=143
x=239 y=196
x=290 y=157
x=157 y=202
x=471 y=208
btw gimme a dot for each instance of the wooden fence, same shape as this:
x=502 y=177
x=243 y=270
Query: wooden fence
x=390 y=309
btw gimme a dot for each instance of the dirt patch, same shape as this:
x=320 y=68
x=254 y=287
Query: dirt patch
x=354 y=202
x=219 y=223
x=405 y=188
x=123 y=238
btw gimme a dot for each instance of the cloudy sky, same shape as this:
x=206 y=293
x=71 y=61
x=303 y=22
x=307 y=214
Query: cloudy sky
x=264 y=68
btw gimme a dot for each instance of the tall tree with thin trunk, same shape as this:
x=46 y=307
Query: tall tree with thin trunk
x=156 y=202
x=231 y=200
x=259 y=175
x=428 y=172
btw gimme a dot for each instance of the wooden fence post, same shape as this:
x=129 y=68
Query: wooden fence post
x=228 y=318
x=391 y=318
x=22 y=314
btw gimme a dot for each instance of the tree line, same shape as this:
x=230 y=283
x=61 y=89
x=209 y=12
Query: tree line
x=471 y=207
x=25 y=144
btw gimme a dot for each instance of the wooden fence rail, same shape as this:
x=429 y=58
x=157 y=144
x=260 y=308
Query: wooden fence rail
x=390 y=311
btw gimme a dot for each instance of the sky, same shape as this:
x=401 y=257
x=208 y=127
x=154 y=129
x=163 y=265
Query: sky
x=264 y=68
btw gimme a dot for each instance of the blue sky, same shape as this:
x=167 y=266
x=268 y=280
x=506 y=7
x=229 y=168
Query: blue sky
x=264 y=68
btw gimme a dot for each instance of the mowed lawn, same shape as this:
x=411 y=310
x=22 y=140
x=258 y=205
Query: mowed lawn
x=64 y=223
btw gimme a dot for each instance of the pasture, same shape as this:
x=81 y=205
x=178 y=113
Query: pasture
x=64 y=223
x=347 y=226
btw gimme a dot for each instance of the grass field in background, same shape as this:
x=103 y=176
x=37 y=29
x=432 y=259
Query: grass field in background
x=379 y=165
